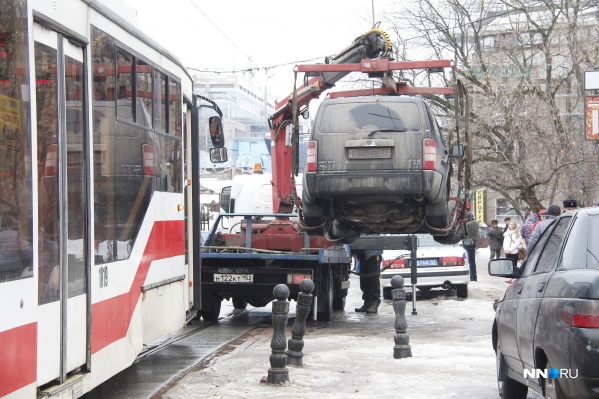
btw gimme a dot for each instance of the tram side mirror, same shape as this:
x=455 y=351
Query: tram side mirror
x=216 y=131
x=218 y=155
x=458 y=150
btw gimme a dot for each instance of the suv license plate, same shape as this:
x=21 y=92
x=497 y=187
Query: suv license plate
x=233 y=278
x=362 y=153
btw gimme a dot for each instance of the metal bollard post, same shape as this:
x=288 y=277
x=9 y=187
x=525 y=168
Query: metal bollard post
x=296 y=342
x=278 y=373
x=402 y=347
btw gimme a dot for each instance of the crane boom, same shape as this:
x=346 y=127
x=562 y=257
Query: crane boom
x=372 y=44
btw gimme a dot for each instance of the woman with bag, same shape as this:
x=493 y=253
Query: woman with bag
x=512 y=241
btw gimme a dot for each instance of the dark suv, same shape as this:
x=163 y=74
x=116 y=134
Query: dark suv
x=376 y=165
x=546 y=330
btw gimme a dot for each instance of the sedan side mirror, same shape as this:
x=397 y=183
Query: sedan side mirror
x=458 y=150
x=501 y=267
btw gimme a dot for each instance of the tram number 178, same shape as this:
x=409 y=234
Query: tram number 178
x=103 y=276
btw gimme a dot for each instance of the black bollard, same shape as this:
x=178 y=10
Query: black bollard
x=278 y=373
x=402 y=339
x=296 y=342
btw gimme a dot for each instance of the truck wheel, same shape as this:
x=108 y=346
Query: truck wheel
x=239 y=303
x=212 y=310
x=339 y=303
x=326 y=297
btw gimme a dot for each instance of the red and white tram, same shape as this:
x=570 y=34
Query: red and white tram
x=94 y=119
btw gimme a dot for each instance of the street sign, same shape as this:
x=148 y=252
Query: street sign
x=591 y=80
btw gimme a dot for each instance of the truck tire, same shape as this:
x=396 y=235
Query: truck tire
x=212 y=305
x=239 y=303
x=326 y=298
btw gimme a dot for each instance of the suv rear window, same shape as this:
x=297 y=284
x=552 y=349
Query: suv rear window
x=355 y=117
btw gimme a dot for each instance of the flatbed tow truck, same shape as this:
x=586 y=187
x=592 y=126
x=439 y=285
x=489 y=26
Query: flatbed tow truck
x=271 y=249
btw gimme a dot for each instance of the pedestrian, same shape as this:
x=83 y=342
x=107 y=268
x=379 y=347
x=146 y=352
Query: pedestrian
x=552 y=212
x=570 y=205
x=469 y=244
x=528 y=226
x=512 y=241
x=370 y=283
x=507 y=222
x=495 y=239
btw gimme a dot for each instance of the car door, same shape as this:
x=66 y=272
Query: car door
x=506 y=323
x=543 y=260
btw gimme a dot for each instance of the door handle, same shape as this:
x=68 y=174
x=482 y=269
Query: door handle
x=519 y=289
x=541 y=287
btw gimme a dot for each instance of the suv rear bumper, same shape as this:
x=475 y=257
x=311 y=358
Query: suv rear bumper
x=428 y=183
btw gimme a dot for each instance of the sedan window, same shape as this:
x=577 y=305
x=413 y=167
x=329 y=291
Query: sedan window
x=551 y=248
x=593 y=243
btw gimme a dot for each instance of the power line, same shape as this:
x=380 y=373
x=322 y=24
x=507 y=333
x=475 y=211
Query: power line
x=221 y=31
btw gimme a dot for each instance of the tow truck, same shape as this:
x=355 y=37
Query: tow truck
x=275 y=248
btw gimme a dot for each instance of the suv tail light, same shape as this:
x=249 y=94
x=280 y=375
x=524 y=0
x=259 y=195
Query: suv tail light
x=452 y=261
x=397 y=263
x=148 y=159
x=587 y=314
x=51 y=167
x=429 y=155
x=311 y=156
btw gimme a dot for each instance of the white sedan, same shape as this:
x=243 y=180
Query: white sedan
x=438 y=265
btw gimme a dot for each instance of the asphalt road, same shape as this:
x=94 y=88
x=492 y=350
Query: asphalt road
x=352 y=356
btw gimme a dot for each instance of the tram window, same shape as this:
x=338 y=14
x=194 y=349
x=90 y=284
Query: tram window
x=125 y=85
x=160 y=101
x=143 y=78
x=174 y=109
x=169 y=163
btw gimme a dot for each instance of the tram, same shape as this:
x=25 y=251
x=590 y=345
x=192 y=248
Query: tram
x=95 y=170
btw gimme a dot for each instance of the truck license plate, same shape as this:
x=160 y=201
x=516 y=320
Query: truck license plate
x=362 y=153
x=233 y=278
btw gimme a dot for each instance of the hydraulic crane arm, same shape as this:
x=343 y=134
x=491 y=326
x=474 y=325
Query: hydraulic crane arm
x=372 y=44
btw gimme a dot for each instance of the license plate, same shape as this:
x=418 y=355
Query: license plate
x=233 y=278
x=425 y=262
x=371 y=152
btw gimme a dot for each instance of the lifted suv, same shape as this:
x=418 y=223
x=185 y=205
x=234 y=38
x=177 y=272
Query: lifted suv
x=376 y=165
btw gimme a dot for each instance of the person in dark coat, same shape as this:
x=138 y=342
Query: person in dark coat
x=469 y=244
x=495 y=235
x=370 y=283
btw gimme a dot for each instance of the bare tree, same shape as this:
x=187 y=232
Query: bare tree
x=523 y=63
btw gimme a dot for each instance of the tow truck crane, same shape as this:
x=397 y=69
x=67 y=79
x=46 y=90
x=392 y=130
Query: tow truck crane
x=271 y=249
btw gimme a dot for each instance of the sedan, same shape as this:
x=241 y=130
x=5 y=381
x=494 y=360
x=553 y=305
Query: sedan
x=438 y=265
x=546 y=328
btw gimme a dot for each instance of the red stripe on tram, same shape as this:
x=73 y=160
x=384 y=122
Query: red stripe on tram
x=111 y=318
x=18 y=358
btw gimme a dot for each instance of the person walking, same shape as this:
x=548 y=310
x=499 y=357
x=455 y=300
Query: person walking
x=370 y=283
x=469 y=244
x=507 y=222
x=549 y=216
x=512 y=241
x=495 y=235
x=528 y=226
x=570 y=205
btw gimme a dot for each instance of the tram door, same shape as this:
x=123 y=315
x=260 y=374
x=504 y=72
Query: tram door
x=62 y=222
